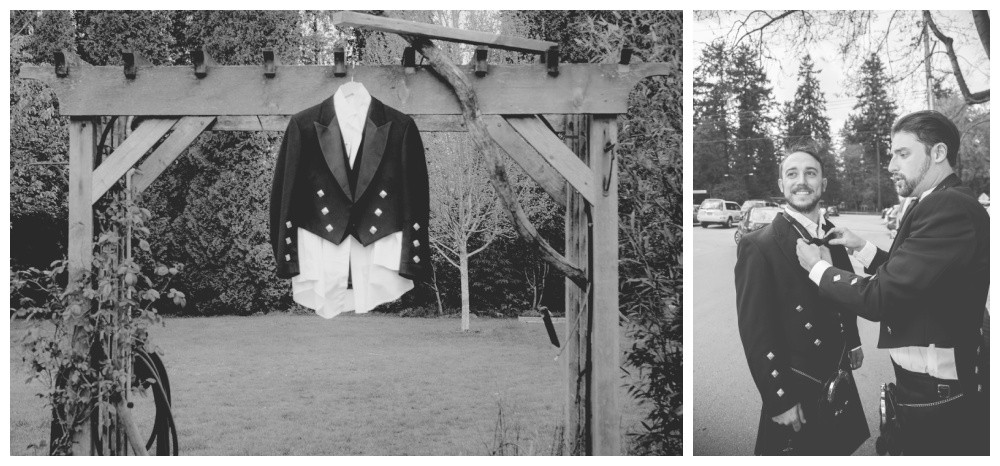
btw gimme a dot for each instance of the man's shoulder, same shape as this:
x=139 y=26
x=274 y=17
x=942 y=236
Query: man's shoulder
x=951 y=199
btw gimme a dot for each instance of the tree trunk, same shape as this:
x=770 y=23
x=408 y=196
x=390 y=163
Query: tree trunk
x=437 y=291
x=463 y=267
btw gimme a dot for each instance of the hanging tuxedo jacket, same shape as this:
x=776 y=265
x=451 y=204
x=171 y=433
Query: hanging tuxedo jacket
x=315 y=190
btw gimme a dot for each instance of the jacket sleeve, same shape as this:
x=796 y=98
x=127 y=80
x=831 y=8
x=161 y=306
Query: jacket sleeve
x=942 y=235
x=283 y=235
x=415 y=258
x=761 y=331
x=879 y=259
x=851 y=335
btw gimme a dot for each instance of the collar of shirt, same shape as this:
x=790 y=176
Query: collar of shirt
x=813 y=228
x=351 y=114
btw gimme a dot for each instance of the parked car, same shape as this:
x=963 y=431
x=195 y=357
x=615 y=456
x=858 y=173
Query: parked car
x=719 y=212
x=833 y=211
x=755 y=219
x=892 y=220
x=755 y=203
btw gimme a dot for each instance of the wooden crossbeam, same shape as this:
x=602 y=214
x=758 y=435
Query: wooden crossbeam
x=527 y=157
x=426 y=123
x=560 y=157
x=434 y=31
x=185 y=132
x=128 y=153
x=243 y=90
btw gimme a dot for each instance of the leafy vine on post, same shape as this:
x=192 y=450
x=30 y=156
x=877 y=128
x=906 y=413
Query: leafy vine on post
x=83 y=354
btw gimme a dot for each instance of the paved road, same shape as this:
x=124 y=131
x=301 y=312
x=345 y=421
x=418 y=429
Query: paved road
x=726 y=402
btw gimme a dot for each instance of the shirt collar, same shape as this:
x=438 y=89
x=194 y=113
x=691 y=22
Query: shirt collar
x=809 y=225
x=352 y=111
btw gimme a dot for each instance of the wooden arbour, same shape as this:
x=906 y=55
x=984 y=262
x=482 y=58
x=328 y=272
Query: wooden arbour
x=523 y=106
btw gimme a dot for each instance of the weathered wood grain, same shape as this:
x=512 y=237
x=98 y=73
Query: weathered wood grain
x=185 y=132
x=243 y=90
x=577 y=347
x=434 y=31
x=527 y=157
x=426 y=123
x=560 y=157
x=80 y=247
x=127 y=154
x=605 y=349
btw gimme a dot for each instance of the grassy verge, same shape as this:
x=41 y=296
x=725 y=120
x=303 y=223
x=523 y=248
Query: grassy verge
x=354 y=385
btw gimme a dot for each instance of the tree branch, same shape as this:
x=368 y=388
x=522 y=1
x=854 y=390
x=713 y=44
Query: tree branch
x=761 y=28
x=970 y=98
x=442 y=66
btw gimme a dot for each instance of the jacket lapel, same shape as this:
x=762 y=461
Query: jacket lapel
x=375 y=136
x=785 y=236
x=331 y=142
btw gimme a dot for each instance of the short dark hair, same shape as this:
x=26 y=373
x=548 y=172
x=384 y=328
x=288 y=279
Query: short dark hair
x=931 y=127
x=805 y=147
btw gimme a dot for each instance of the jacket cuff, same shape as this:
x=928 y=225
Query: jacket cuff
x=779 y=404
x=413 y=271
x=288 y=270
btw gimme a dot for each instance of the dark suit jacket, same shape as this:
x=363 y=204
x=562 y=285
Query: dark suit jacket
x=793 y=340
x=314 y=189
x=931 y=286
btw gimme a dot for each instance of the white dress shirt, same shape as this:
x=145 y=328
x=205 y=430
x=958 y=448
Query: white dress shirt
x=931 y=360
x=321 y=284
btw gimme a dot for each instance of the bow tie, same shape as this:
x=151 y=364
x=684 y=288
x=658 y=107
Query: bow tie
x=805 y=235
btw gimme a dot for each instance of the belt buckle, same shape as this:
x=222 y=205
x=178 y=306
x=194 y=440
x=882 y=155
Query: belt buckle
x=943 y=390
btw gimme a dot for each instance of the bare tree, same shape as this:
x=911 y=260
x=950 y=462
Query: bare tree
x=860 y=33
x=466 y=214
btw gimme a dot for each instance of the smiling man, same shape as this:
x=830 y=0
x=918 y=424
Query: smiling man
x=793 y=341
x=928 y=291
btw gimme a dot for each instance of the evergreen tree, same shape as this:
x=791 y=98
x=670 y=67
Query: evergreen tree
x=754 y=160
x=713 y=132
x=805 y=117
x=806 y=122
x=869 y=128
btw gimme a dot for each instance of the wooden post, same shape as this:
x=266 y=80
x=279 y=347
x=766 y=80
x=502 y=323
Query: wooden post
x=605 y=351
x=575 y=433
x=83 y=138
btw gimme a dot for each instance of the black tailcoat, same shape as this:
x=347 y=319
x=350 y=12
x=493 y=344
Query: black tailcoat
x=792 y=339
x=932 y=284
x=387 y=192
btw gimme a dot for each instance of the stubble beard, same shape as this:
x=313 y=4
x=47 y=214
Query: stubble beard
x=905 y=186
x=806 y=208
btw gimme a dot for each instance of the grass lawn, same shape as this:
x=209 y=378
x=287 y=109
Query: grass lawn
x=353 y=385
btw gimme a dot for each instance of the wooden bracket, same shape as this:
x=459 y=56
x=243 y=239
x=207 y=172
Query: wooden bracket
x=626 y=58
x=552 y=60
x=409 y=60
x=339 y=65
x=481 y=66
x=270 y=64
x=64 y=60
x=202 y=61
x=132 y=61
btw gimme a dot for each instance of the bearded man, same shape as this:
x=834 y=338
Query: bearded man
x=928 y=292
x=793 y=340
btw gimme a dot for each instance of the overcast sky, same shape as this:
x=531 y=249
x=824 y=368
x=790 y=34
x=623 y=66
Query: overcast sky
x=835 y=75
